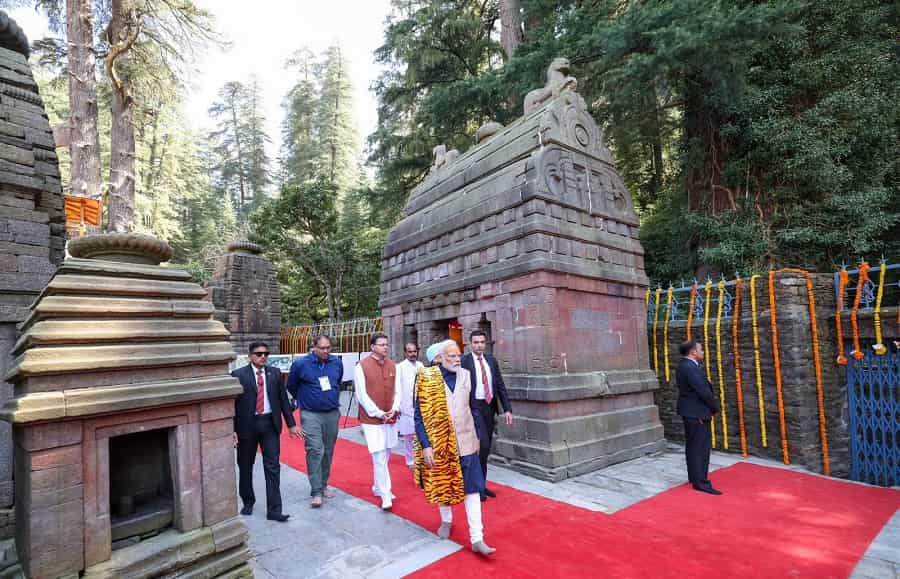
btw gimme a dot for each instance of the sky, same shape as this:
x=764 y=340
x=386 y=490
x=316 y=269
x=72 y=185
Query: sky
x=263 y=34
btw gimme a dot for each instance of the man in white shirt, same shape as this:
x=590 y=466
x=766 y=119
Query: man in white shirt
x=406 y=376
x=378 y=393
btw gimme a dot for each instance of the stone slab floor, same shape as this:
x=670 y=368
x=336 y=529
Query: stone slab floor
x=334 y=544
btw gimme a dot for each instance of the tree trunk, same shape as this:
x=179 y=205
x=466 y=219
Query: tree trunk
x=123 y=31
x=84 y=135
x=510 y=26
x=240 y=152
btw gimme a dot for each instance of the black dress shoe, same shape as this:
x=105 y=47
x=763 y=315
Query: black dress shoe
x=279 y=517
x=483 y=497
x=490 y=493
x=707 y=489
x=247 y=510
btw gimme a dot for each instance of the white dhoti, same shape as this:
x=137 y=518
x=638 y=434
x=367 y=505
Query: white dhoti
x=380 y=439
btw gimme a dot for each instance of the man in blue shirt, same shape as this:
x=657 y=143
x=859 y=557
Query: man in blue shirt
x=315 y=383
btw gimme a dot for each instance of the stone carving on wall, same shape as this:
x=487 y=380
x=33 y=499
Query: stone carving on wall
x=558 y=80
x=487 y=130
x=443 y=158
x=574 y=179
x=567 y=120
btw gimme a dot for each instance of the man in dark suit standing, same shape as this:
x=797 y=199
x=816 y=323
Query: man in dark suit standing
x=257 y=423
x=697 y=406
x=487 y=389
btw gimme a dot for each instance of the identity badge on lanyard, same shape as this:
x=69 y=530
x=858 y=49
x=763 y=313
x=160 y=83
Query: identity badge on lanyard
x=325 y=383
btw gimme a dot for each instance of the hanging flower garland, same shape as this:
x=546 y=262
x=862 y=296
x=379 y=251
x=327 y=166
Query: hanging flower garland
x=820 y=393
x=708 y=290
x=719 y=372
x=878 y=346
x=843 y=280
x=666 y=330
x=655 y=337
x=857 y=352
x=756 y=362
x=690 y=318
x=735 y=323
x=777 y=361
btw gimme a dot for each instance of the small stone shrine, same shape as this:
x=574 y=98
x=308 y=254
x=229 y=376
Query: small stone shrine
x=244 y=291
x=32 y=225
x=122 y=419
x=532 y=237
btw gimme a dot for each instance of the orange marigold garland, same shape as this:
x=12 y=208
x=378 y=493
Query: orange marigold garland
x=655 y=336
x=666 y=330
x=690 y=318
x=776 y=356
x=719 y=372
x=857 y=352
x=738 y=386
x=756 y=363
x=843 y=280
x=820 y=394
x=878 y=346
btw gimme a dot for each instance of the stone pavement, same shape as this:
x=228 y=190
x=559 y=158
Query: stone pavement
x=338 y=541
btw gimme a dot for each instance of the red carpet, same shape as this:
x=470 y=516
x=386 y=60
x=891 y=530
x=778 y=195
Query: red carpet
x=769 y=523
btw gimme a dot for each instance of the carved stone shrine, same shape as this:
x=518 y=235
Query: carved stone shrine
x=122 y=422
x=244 y=291
x=532 y=237
x=32 y=228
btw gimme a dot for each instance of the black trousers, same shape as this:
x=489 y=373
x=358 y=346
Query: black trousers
x=697 y=444
x=486 y=437
x=263 y=436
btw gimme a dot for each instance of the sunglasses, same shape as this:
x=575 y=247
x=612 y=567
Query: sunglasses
x=261 y=354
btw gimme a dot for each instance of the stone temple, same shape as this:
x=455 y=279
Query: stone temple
x=532 y=237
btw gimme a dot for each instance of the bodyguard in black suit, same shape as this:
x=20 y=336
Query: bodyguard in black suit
x=487 y=389
x=257 y=423
x=697 y=406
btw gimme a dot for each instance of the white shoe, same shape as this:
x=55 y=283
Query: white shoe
x=386 y=504
x=483 y=548
x=444 y=530
x=375 y=493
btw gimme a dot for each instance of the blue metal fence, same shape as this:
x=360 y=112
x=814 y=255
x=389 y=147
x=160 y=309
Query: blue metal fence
x=873 y=387
x=681 y=301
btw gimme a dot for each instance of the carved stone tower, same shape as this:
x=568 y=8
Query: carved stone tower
x=532 y=237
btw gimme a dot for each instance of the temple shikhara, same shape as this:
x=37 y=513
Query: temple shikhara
x=532 y=237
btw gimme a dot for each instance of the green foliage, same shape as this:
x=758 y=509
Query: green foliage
x=240 y=163
x=327 y=259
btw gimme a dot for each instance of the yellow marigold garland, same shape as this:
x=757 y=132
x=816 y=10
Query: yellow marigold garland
x=655 y=337
x=843 y=280
x=857 y=352
x=738 y=386
x=777 y=361
x=690 y=318
x=878 y=346
x=720 y=374
x=756 y=362
x=666 y=330
x=708 y=289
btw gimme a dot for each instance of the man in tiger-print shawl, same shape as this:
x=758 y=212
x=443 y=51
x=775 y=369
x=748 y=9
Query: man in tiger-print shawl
x=447 y=464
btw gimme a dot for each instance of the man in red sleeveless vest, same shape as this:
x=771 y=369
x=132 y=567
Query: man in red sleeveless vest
x=378 y=393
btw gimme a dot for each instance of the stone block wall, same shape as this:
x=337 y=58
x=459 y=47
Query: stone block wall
x=32 y=223
x=797 y=369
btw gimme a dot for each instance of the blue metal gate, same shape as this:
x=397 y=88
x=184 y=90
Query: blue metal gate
x=873 y=386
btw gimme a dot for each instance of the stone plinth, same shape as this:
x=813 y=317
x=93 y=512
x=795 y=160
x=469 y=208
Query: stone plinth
x=532 y=237
x=32 y=228
x=244 y=291
x=114 y=348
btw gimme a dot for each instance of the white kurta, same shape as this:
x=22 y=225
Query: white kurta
x=378 y=436
x=406 y=376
